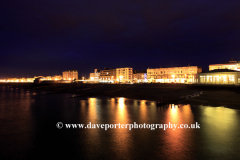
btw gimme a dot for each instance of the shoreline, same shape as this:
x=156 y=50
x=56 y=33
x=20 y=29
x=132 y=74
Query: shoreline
x=212 y=96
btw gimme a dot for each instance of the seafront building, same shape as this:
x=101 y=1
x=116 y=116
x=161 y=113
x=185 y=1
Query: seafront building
x=108 y=75
x=70 y=75
x=187 y=74
x=139 y=77
x=124 y=75
x=232 y=65
x=104 y=76
x=57 y=77
x=225 y=73
x=31 y=80
x=49 y=78
x=220 y=76
x=19 y=80
x=95 y=76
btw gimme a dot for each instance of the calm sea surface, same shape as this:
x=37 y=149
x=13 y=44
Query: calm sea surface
x=28 y=129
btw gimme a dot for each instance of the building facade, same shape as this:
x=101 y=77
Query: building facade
x=19 y=80
x=57 y=77
x=124 y=75
x=70 y=75
x=134 y=76
x=220 y=76
x=174 y=74
x=142 y=77
x=50 y=78
x=232 y=65
x=95 y=76
x=108 y=75
x=139 y=77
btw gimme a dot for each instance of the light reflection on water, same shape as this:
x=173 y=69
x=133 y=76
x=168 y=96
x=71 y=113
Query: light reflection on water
x=28 y=128
x=220 y=131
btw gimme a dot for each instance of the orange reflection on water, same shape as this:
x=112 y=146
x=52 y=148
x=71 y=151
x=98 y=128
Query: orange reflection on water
x=122 y=137
x=83 y=104
x=92 y=110
x=173 y=113
x=112 y=102
x=179 y=114
x=177 y=140
x=93 y=134
x=143 y=111
x=122 y=114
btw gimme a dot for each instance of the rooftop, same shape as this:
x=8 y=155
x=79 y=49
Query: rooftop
x=176 y=67
x=227 y=63
x=73 y=70
x=220 y=70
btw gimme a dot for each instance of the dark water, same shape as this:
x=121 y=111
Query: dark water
x=28 y=129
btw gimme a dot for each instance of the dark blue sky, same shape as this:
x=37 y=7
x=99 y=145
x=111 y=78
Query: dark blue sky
x=46 y=37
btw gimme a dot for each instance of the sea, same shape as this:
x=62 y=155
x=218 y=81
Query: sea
x=41 y=125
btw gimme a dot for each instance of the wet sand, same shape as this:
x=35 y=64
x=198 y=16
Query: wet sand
x=212 y=96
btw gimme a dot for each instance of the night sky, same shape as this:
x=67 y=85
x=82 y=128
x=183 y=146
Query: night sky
x=46 y=37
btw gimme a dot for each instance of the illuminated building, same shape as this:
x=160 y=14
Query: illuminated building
x=220 y=76
x=174 y=74
x=139 y=77
x=49 y=78
x=135 y=77
x=19 y=80
x=31 y=80
x=232 y=65
x=70 y=75
x=56 y=77
x=124 y=74
x=108 y=75
x=95 y=76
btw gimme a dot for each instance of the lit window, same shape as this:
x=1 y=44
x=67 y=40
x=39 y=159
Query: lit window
x=231 y=78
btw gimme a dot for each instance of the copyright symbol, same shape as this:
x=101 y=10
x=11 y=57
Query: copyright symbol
x=59 y=125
